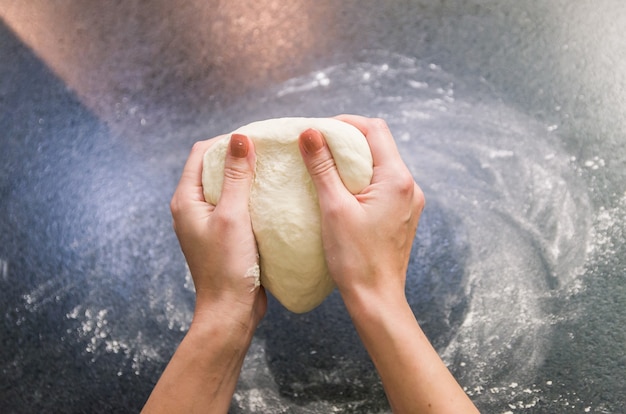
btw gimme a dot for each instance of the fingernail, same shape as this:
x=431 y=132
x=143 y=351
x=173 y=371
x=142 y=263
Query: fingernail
x=238 y=146
x=312 y=141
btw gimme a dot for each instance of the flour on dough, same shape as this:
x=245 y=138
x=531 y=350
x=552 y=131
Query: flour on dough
x=255 y=273
x=283 y=202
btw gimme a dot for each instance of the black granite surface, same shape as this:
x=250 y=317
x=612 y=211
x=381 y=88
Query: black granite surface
x=511 y=114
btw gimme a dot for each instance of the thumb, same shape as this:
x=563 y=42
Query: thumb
x=321 y=166
x=238 y=172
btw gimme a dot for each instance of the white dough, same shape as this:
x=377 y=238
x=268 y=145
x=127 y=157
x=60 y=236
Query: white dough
x=283 y=202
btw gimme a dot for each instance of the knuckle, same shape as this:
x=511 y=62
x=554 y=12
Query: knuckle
x=225 y=219
x=335 y=210
x=406 y=188
x=175 y=205
x=419 y=199
x=404 y=184
x=380 y=124
x=177 y=210
x=322 y=165
x=198 y=146
x=235 y=172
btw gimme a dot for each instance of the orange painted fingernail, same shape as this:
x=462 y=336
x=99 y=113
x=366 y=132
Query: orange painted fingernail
x=312 y=141
x=238 y=146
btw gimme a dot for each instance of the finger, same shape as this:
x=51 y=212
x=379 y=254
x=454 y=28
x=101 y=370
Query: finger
x=321 y=166
x=379 y=137
x=189 y=189
x=238 y=173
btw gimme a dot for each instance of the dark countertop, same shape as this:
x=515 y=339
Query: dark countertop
x=511 y=115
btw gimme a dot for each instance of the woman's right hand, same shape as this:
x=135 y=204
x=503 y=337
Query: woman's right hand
x=367 y=237
x=367 y=241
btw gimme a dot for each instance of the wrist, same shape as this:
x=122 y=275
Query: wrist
x=367 y=299
x=228 y=322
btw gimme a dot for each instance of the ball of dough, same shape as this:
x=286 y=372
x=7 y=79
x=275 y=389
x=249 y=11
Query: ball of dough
x=283 y=202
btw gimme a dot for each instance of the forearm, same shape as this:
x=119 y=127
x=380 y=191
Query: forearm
x=202 y=375
x=413 y=375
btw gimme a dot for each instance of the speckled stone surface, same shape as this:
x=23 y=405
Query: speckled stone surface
x=511 y=115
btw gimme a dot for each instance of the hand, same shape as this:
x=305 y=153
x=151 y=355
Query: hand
x=217 y=241
x=367 y=241
x=367 y=237
x=220 y=249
